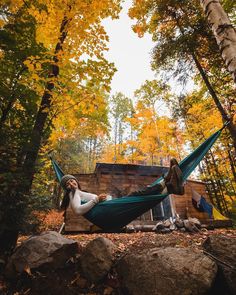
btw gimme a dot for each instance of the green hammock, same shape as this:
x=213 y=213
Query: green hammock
x=115 y=214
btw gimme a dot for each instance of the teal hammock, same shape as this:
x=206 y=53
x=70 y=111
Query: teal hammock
x=115 y=214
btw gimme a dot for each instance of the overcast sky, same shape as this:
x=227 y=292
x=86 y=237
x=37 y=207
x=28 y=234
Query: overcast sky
x=130 y=54
x=132 y=57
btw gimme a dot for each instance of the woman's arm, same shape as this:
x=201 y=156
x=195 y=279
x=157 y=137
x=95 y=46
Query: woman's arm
x=77 y=207
x=87 y=196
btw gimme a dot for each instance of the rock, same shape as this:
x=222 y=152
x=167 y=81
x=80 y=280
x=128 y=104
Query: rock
x=173 y=227
x=191 y=227
x=162 y=242
x=158 y=226
x=224 y=249
x=169 y=271
x=49 y=248
x=129 y=229
x=97 y=259
x=195 y=221
x=179 y=223
x=167 y=223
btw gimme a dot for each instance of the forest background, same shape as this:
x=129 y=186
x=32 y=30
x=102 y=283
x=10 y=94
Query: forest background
x=55 y=98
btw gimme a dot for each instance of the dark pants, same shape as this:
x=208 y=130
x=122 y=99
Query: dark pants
x=148 y=190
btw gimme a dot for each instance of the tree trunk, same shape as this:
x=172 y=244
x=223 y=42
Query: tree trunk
x=225 y=117
x=213 y=184
x=33 y=147
x=231 y=127
x=207 y=181
x=232 y=162
x=220 y=184
x=224 y=32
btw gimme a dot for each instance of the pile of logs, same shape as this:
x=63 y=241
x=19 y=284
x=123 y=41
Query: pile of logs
x=190 y=225
x=169 y=225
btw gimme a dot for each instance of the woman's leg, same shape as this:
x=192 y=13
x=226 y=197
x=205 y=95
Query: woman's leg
x=150 y=190
x=175 y=184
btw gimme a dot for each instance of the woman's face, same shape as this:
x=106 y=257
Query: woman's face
x=72 y=184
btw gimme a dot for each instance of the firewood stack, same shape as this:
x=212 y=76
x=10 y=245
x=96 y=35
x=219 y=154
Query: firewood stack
x=172 y=224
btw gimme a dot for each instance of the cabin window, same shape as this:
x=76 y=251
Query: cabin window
x=162 y=210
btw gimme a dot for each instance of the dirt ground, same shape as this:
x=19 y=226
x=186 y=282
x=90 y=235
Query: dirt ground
x=69 y=280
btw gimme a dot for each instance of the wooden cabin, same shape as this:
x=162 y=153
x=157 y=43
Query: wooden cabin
x=120 y=179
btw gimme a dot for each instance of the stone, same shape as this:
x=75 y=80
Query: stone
x=223 y=248
x=129 y=229
x=49 y=249
x=167 y=223
x=158 y=226
x=190 y=227
x=97 y=259
x=162 y=242
x=195 y=221
x=179 y=223
x=168 y=271
x=173 y=227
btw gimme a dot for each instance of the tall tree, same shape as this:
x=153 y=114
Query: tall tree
x=184 y=44
x=156 y=136
x=59 y=46
x=224 y=32
x=121 y=108
x=89 y=30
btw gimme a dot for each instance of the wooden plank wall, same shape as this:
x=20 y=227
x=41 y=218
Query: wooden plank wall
x=183 y=204
x=76 y=223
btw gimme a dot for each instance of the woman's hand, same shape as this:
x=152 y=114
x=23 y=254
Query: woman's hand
x=102 y=197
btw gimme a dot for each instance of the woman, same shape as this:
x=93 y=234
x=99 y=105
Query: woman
x=74 y=196
x=172 y=184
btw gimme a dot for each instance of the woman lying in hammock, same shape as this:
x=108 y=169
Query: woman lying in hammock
x=74 y=196
x=172 y=183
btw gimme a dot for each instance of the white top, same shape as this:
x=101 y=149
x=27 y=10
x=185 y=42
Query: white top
x=75 y=201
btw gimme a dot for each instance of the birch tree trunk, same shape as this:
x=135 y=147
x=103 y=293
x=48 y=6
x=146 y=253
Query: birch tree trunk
x=224 y=32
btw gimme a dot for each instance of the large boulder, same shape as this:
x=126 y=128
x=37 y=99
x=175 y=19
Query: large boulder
x=223 y=248
x=97 y=259
x=169 y=271
x=48 y=249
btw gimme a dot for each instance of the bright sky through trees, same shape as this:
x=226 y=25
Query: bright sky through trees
x=132 y=57
x=130 y=53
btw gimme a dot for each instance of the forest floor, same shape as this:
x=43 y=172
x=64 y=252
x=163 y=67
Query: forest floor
x=69 y=281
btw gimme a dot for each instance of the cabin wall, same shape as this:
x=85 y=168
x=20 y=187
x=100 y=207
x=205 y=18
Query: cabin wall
x=76 y=223
x=182 y=205
x=120 y=182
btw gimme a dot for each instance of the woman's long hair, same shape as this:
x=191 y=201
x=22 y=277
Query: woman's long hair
x=66 y=198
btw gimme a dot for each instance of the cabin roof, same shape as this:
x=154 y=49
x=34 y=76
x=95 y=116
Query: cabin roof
x=131 y=169
x=123 y=168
